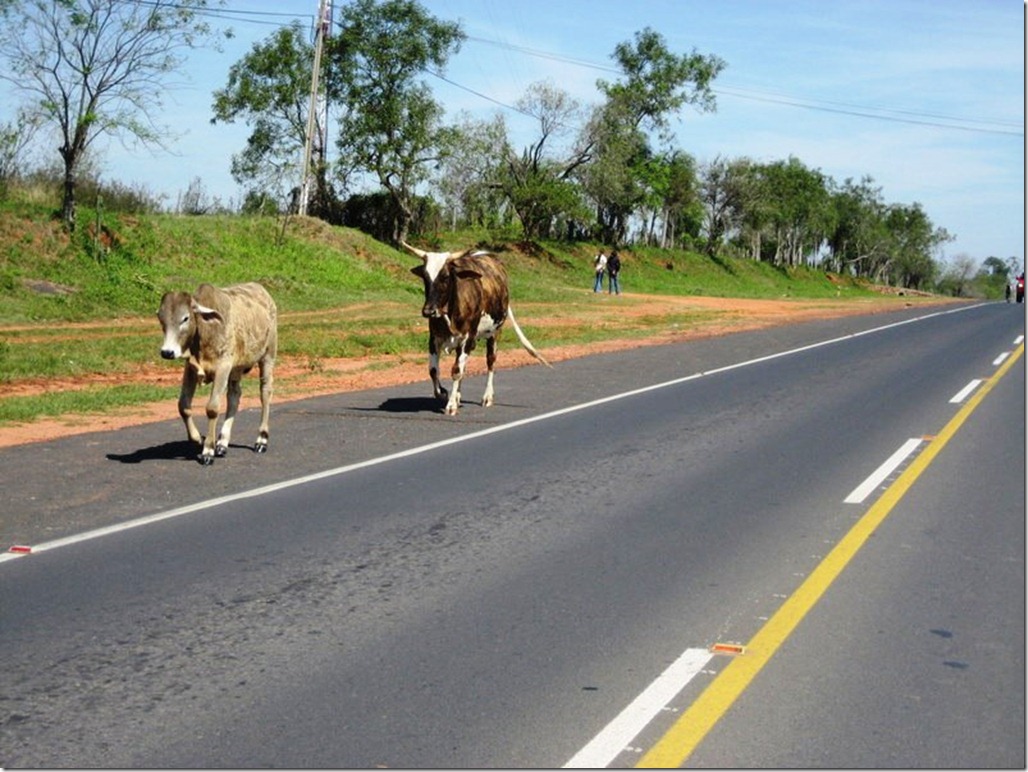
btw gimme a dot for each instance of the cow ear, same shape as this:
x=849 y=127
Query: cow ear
x=205 y=313
x=468 y=273
x=419 y=271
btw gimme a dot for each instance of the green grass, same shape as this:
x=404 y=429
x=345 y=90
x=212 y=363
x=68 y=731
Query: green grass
x=95 y=400
x=85 y=304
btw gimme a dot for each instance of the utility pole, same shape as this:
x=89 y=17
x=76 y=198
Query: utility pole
x=323 y=28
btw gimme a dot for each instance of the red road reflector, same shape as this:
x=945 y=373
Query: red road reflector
x=728 y=648
x=21 y=549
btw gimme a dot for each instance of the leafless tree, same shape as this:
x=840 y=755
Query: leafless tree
x=94 y=67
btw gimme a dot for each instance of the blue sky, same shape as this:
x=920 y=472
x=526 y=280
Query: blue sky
x=925 y=97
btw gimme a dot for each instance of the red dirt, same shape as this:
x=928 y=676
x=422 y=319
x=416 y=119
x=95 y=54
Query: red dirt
x=294 y=379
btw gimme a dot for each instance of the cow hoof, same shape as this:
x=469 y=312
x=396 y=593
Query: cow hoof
x=206 y=459
x=260 y=447
x=220 y=450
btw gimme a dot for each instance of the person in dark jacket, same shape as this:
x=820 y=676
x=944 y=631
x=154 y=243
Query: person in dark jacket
x=613 y=269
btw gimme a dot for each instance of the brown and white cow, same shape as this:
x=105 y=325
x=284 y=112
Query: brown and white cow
x=466 y=298
x=222 y=333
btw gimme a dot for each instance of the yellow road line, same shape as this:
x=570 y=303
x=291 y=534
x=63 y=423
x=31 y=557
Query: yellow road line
x=681 y=740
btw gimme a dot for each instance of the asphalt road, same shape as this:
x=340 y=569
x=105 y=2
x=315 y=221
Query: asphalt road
x=391 y=587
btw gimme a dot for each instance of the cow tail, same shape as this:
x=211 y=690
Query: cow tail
x=524 y=340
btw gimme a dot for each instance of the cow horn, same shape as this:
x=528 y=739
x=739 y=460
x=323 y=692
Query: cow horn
x=414 y=250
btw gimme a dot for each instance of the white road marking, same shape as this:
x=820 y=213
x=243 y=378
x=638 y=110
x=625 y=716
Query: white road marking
x=863 y=490
x=263 y=490
x=1000 y=359
x=614 y=738
x=965 y=392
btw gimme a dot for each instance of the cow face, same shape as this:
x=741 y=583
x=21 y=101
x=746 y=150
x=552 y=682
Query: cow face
x=438 y=275
x=178 y=322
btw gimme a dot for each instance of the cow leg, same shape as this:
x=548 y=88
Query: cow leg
x=185 y=404
x=490 y=360
x=213 y=407
x=235 y=392
x=460 y=364
x=456 y=373
x=433 y=368
x=267 y=366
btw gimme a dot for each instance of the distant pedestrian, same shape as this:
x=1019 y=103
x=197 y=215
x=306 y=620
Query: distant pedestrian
x=599 y=265
x=613 y=269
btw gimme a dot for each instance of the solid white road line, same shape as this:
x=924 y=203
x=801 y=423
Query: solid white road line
x=863 y=490
x=615 y=737
x=201 y=505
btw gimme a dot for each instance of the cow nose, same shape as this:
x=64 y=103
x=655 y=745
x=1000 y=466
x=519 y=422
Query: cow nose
x=167 y=353
x=429 y=312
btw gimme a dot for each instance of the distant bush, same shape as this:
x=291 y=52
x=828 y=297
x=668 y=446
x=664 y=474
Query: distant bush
x=44 y=185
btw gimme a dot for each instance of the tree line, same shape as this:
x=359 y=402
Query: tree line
x=611 y=172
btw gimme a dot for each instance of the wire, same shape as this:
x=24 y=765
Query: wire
x=895 y=115
x=863 y=111
x=228 y=14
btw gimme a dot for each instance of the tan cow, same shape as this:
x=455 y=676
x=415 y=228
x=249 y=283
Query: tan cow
x=466 y=297
x=222 y=333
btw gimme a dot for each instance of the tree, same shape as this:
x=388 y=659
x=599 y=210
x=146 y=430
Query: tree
x=656 y=84
x=616 y=178
x=957 y=276
x=269 y=89
x=15 y=138
x=468 y=177
x=913 y=240
x=390 y=125
x=726 y=190
x=682 y=212
x=859 y=239
x=93 y=67
x=538 y=183
x=796 y=209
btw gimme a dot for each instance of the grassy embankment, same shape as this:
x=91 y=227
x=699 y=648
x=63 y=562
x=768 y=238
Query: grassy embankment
x=78 y=312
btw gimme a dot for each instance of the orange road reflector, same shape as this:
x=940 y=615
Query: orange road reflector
x=728 y=648
x=21 y=549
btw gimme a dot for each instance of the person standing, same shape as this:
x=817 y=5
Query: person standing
x=600 y=265
x=613 y=269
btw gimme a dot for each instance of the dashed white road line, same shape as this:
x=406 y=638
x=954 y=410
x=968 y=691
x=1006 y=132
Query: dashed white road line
x=614 y=738
x=965 y=392
x=864 y=490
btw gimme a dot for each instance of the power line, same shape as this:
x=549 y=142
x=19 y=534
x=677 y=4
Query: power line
x=227 y=14
x=895 y=115
x=863 y=111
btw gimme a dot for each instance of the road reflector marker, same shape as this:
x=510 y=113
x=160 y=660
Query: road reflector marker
x=728 y=648
x=21 y=549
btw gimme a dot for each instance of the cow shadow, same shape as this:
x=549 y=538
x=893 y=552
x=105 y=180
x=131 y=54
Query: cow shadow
x=169 y=451
x=410 y=405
